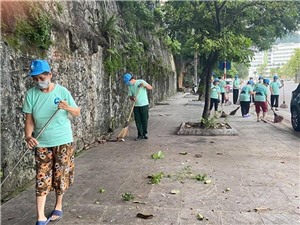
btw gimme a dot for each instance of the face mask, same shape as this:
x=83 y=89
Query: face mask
x=43 y=84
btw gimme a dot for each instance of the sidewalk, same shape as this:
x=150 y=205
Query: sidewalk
x=254 y=176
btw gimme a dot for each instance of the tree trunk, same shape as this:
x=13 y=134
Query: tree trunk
x=208 y=68
x=195 y=68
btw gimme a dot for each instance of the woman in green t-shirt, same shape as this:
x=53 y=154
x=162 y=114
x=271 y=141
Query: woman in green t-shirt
x=245 y=98
x=214 y=95
x=54 y=152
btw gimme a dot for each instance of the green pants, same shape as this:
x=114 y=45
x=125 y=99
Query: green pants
x=141 y=115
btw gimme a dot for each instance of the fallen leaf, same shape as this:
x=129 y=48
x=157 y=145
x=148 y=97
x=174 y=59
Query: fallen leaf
x=199 y=216
x=174 y=192
x=144 y=216
x=262 y=209
x=207 y=182
x=138 y=202
x=198 y=156
x=183 y=153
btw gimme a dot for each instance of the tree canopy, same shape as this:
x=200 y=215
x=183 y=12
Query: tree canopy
x=230 y=30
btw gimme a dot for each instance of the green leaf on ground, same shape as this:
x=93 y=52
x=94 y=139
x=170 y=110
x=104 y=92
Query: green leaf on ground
x=158 y=155
x=101 y=190
x=200 y=177
x=127 y=196
x=156 y=178
x=199 y=216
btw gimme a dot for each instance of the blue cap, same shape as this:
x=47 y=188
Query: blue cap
x=216 y=80
x=236 y=76
x=275 y=77
x=38 y=67
x=266 y=81
x=126 y=78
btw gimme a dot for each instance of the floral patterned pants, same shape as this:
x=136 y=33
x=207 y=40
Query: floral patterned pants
x=54 y=169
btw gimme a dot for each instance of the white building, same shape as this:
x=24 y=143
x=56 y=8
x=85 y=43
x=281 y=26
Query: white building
x=273 y=58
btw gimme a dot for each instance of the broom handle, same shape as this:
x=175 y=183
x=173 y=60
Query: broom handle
x=39 y=134
x=133 y=104
x=271 y=107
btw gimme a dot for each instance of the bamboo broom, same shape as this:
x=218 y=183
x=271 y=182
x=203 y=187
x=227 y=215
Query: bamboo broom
x=125 y=130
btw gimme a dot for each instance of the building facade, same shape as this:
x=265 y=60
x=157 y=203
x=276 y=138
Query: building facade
x=264 y=62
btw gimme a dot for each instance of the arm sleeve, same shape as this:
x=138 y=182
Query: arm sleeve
x=27 y=106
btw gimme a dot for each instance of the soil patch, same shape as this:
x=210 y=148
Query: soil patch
x=192 y=128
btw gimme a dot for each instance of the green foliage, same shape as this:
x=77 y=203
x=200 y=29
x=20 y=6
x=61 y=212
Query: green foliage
x=59 y=7
x=200 y=177
x=127 y=196
x=32 y=32
x=292 y=68
x=158 y=155
x=156 y=178
x=209 y=123
x=139 y=15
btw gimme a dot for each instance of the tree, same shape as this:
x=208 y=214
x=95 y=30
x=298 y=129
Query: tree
x=228 y=30
x=292 y=68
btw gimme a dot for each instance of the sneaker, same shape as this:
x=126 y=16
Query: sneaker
x=247 y=115
x=276 y=109
x=139 y=138
x=145 y=137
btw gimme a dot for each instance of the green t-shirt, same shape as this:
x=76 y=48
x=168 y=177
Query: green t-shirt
x=261 y=93
x=214 y=91
x=142 y=98
x=222 y=85
x=245 y=93
x=275 y=86
x=42 y=106
x=236 y=84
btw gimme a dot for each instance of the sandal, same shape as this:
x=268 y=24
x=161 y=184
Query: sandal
x=57 y=213
x=42 y=222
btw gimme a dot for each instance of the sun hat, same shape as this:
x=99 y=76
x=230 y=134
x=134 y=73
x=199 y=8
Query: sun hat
x=38 y=67
x=126 y=78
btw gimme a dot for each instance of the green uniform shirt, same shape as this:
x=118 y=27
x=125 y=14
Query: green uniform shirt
x=261 y=93
x=245 y=93
x=222 y=85
x=236 y=84
x=214 y=91
x=142 y=98
x=275 y=86
x=42 y=106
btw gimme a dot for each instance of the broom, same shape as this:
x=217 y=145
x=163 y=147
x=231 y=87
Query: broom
x=283 y=105
x=277 y=118
x=234 y=111
x=125 y=131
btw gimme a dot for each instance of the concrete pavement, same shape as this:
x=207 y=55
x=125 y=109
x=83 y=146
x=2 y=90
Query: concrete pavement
x=254 y=176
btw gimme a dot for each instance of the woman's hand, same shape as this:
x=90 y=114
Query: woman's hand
x=31 y=142
x=64 y=105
